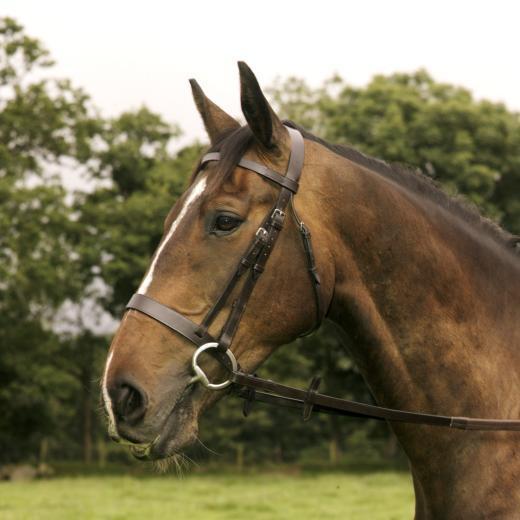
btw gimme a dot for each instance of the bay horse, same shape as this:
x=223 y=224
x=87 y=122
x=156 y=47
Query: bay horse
x=425 y=290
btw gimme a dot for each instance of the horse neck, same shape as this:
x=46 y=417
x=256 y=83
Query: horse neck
x=427 y=303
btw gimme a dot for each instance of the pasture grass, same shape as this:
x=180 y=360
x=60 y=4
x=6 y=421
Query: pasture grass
x=383 y=495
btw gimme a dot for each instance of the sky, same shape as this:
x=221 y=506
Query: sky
x=129 y=53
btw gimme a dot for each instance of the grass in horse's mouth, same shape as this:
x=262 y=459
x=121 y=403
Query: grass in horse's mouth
x=142 y=451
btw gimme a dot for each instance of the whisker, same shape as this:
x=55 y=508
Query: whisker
x=178 y=466
x=163 y=465
x=180 y=461
x=206 y=448
x=189 y=460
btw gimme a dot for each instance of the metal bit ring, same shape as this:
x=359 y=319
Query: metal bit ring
x=199 y=373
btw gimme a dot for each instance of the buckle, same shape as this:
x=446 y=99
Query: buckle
x=304 y=230
x=262 y=234
x=257 y=271
x=278 y=218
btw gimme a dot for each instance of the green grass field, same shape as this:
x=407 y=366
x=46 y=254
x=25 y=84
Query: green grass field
x=376 y=496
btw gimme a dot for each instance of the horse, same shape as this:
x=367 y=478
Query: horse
x=425 y=291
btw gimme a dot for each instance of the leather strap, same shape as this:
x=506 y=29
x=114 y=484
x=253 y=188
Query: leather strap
x=177 y=322
x=246 y=262
x=313 y=272
x=311 y=268
x=273 y=227
x=167 y=316
x=262 y=170
x=309 y=400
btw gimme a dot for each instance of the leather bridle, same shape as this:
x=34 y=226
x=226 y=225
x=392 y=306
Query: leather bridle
x=253 y=262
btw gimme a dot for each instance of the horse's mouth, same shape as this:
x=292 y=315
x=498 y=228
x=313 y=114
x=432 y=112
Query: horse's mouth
x=178 y=431
x=143 y=451
x=151 y=451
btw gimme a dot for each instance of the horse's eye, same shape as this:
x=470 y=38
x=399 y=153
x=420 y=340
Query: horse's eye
x=225 y=223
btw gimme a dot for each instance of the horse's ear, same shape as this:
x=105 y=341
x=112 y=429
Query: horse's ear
x=265 y=124
x=216 y=121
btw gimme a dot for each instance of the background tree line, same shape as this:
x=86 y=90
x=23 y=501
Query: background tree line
x=69 y=258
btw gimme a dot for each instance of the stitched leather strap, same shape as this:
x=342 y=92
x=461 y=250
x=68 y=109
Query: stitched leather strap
x=313 y=272
x=284 y=182
x=167 y=316
x=245 y=264
x=309 y=400
x=177 y=322
x=273 y=227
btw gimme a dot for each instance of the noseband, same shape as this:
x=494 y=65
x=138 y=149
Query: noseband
x=253 y=262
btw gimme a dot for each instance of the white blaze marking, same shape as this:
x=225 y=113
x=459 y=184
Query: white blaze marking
x=112 y=428
x=196 y=191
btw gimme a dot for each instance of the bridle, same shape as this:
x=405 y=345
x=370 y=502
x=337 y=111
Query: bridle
x=253 y=262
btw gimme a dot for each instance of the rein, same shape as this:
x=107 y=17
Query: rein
x=253 y=262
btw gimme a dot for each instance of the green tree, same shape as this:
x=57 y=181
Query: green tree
x=472 y=147
x=42 y=123
x=121 y=225
x=61 y=252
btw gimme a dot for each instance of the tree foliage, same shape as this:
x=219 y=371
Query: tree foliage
x=472 y=147
x=42 y=122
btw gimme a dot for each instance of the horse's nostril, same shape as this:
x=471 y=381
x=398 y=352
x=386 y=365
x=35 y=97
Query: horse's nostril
x=129 y=402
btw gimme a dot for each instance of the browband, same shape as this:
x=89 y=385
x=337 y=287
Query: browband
x=264 y=171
